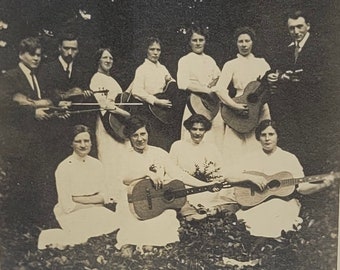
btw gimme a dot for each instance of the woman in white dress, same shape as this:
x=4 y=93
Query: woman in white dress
x=197 y=73
x=82 y=193
x=269 y=218
x=109 y=147
x=150 y=79
x=201 y=159
x=240 y=71
x=142 y=161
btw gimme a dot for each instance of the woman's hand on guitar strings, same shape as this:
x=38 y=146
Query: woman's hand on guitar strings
x=163 y=103
x=261 y=182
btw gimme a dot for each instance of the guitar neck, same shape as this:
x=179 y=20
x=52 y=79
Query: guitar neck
x=189 y=191
x=307 y=179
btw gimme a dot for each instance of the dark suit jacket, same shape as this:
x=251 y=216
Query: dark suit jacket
x=54 y=79
x=310 y=60
x=19 y=128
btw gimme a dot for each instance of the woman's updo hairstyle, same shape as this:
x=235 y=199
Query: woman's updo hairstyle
x=77 y=129
x=197 y=118
x=198 y=28
x=98 y=55
x=132 y=124
x=245 y=30
x=149 y=41
x=262 y=126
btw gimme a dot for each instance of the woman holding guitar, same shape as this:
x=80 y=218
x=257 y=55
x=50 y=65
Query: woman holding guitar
x=201 y=159
x=197 y=73
x=144 y=161
x=240 y=71
x=109 y=146
x=151 y=78
x=269 y=218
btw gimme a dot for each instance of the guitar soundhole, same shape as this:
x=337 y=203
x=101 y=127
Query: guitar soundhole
x=252 y=98
x=169 y=195
x=273 y=184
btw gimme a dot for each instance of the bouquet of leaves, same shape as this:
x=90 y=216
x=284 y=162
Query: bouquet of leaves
x=207 y=172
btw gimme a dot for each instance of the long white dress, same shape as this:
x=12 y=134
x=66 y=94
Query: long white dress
x=268 y=219
x=109 y=150
x=157 y=231
x=188 y=156
x=202 y=68
x=76 y=176
x=241 y=71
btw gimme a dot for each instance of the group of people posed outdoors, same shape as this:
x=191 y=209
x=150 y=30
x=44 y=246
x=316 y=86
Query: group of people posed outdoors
x=189 y=128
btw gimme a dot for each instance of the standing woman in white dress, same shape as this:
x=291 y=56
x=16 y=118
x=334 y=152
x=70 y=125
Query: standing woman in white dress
x=150 y=79
x=240 y=71
x=197 y=73
x=109 y=148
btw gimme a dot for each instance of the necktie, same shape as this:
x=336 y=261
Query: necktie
x=296 y=52
x=35 y=86
x=68 y=72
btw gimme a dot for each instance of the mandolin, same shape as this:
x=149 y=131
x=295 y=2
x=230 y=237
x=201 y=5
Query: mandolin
x=146 y=202
x=278 y=185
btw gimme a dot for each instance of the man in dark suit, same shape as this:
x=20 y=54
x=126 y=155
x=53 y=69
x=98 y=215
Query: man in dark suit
x=23 y=114
x=63 y=80
x=297 y=103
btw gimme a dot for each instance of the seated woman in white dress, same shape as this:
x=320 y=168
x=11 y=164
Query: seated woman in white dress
x=82 y=193
x=110 y=140
x=201 y=159
x=269 y=218
x=143 y=161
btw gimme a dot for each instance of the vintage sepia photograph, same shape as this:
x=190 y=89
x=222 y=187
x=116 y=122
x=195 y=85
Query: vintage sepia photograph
x=169 y=134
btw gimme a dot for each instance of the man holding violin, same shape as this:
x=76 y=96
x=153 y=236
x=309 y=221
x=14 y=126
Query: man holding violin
x=297 y=104
x=64 y=80
x=23 y=113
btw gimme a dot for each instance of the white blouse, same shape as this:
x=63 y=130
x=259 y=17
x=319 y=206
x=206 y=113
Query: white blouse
x=77 y=176
x=196 y=67
x=241 y=71
x=150 y=79
x=101 y=81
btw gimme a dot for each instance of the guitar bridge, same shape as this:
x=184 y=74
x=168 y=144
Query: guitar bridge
x=148 y=198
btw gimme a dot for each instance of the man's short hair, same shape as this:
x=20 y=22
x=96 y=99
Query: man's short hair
x=67 y=36
x=30 y=45
x=297 y=14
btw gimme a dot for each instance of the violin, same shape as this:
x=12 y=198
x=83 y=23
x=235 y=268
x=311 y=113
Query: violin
x=58 y=111
x=77 y=93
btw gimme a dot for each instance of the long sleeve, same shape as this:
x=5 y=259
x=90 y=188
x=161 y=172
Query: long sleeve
x=138 y=88
x=64 y=190
x=150 y=79
x=183 y=74
x=225 y=79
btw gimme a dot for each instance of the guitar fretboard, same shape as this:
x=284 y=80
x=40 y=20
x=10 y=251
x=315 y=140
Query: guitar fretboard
x=307 y=179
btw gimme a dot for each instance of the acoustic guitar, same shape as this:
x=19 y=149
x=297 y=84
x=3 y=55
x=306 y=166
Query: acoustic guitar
x=255 y=95
x=207 y=104
x=278 y=185
x=114 y=123
x=146 y=202
x=166 y=115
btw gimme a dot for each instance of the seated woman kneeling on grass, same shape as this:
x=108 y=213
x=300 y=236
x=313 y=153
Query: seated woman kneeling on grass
x=81 y=189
